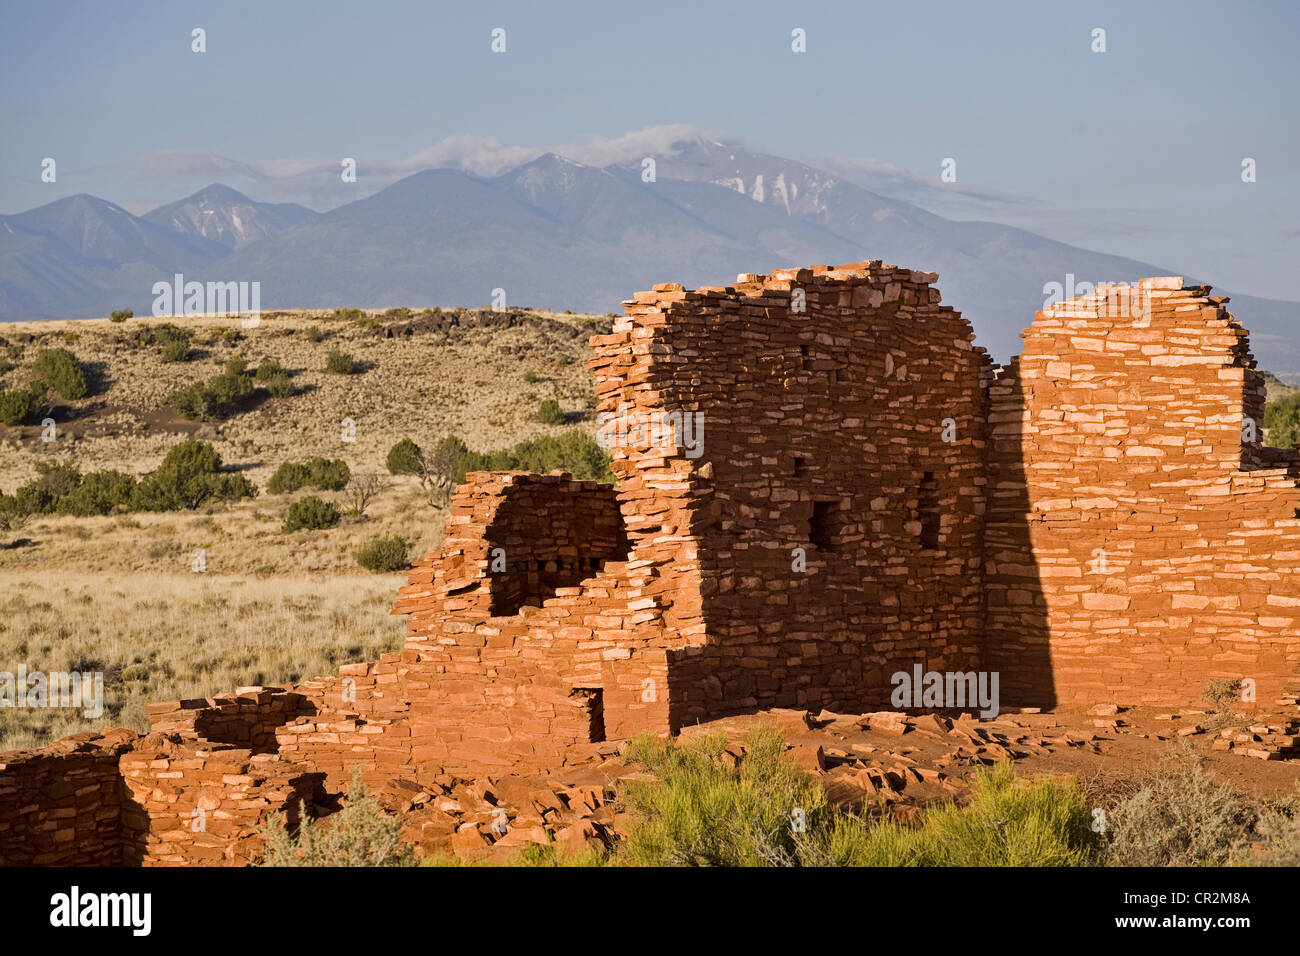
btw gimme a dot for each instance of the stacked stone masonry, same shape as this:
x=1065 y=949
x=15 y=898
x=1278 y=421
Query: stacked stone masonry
x=1141 y=541
x=820 y=481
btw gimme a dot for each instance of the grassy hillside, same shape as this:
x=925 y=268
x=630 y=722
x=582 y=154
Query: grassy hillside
x=467 y=381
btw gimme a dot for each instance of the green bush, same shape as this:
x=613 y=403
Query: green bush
x=1276 y=837
x=405 y=458
x=60 y=487
x=381 y=554
x=1223 y=694
x=1008 y=822
x=190 y=402
x=1182 y=816
x=189 y=476
x=444 y=464
x=552 y=855
x=16 y=406
x=1282 y=422
x=100 y=493
x=172 y=340
x=58 y=477
x=121 y=315
x=311 y=514
x=701 y=808
x=340 y=362
x=289 y=477
x=268 y=369
x=32 y=499
x=216 y=399
x=348 y=314
x=550 y=413
x=573 y=451
x=12 y=517
x=230 y=392
x=360 y=834
x=314 y=334
x=530 y=377
x=328 y=474
x=275 y=377
x=280 y=386
x=60 y=370
x=321 y=473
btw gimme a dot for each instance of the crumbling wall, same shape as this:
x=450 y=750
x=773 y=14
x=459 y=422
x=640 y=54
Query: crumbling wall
x=355 y=720
x=168 y=798
x=247 y=718
x=194 y=803
x=1141 y=542
x=495 y=685
x=61 y=805
x=832 y=507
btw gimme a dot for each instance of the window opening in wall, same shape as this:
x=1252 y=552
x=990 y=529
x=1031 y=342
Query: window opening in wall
x=557 y=538
x=820 y=526
x=597 y=697
x=800 y=467
x=928 y=512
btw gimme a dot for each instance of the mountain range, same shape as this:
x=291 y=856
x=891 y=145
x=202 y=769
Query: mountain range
x=558 y=234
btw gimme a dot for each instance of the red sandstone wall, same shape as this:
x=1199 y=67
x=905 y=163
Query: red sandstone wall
x=842 y=403
x=858 y=385
x=492 y=689
x=247 y=718
x=169 y=798
x=191 y=803
x=1119 y=436
x=62 y=805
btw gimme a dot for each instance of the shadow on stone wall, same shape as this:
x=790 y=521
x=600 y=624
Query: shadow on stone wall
x=1016 y=637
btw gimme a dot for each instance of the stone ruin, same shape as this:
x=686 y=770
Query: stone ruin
x=821 y=482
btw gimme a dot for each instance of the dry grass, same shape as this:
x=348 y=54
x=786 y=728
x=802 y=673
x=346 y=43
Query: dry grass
x=240 y=539
x=168 y=636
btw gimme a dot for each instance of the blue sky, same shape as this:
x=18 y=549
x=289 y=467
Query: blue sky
x=1135 y=151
